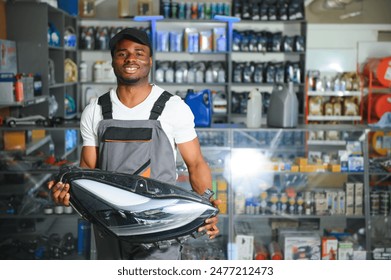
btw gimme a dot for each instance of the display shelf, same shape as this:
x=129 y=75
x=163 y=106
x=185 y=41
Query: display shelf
x=31 y=184
x=31 y=147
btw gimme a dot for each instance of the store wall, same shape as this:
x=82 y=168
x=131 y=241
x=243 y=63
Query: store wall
x=357 y=11
x=335 y=47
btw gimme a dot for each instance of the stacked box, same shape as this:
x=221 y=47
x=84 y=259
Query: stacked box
x=341 y=202
x=331 y=197
x=382 y=253
x=358 y=199
x=349 y=198
x=320 y=203
x=222 y=194
x=244 y=247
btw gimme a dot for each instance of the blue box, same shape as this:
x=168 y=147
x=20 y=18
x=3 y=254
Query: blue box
x=69 y=6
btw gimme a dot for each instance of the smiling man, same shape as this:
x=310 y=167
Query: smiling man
x=136 y=129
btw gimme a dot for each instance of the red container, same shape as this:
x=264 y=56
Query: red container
x=380 y=69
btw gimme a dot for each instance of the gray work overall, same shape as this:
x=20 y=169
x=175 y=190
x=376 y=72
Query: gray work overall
x=136 y=147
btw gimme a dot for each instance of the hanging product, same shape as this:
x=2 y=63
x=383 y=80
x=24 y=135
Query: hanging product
x=134 y=208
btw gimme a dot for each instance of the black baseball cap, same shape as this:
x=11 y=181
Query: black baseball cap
x=133 y=34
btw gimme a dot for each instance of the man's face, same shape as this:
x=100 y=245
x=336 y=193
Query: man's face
x=131 y=62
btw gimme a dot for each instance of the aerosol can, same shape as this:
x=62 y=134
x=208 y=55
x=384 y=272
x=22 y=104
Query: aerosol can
x=254 y=109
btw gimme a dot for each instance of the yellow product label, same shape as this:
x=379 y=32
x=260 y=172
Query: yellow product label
x=294 y=168
x=222 y=196
x=263 y=195
x=222 y=185
x=301 y=161
x=335 y=167
x=222 y=208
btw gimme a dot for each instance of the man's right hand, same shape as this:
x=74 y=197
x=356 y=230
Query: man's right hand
x=60 y=192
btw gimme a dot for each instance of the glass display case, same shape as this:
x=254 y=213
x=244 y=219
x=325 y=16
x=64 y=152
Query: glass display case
x=296 y=193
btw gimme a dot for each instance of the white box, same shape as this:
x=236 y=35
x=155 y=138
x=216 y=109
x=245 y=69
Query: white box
x=301 y=246
x=245 y=247
x=345 y=250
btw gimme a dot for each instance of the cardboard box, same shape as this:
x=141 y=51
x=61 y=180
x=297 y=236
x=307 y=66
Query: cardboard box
x=301 y=246
x=14 y=140
x=334 y=167
x=301 y=161
x=345 y=250
x=349 y=199
x=331 y=197
x=320 y=203
x=7 y=88
x=329 y=247
x=358 y=199
x=341 y=202
x=245 y=247
x=8 y=57
x=37 y=134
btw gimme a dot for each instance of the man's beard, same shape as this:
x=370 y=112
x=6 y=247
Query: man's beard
x=124 y=81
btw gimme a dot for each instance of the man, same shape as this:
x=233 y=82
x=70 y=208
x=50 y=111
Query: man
x=135 y=129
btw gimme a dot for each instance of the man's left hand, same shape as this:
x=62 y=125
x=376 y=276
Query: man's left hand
x=211 y=224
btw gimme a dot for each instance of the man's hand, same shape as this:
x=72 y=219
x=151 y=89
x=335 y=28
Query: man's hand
x=211 y=224
x=60 y=192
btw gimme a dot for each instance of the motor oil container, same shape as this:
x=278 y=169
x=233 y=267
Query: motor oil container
x=283 y=109
x=254 y=109
x=200 y=104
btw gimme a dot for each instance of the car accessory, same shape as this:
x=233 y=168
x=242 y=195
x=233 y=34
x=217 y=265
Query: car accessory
x=136 y=209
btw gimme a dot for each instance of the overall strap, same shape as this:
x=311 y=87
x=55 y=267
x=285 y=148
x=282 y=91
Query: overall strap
x=107 y=108
x=158 y=107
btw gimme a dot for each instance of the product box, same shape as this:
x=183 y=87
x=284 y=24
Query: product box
x=331 y=197
x=244 y=247
x=356 y=164
x=349 y=192
x=345 y=250
x=334 y=167
x=358 y=198
x=359 y=255
x=329 y=247
x=300 y=245
x=14 y=140
x=341 y=202
x=8 y=57
x=7 y=88
x=320 y=203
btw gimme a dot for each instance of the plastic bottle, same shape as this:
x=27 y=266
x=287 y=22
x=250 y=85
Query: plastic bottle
x=254 y=109
x=275 y=251
x=124 y=8
x=83 y=71
x=261 y=252
x=284 y=107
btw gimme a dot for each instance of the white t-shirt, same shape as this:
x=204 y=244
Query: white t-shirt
x=177 y=119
